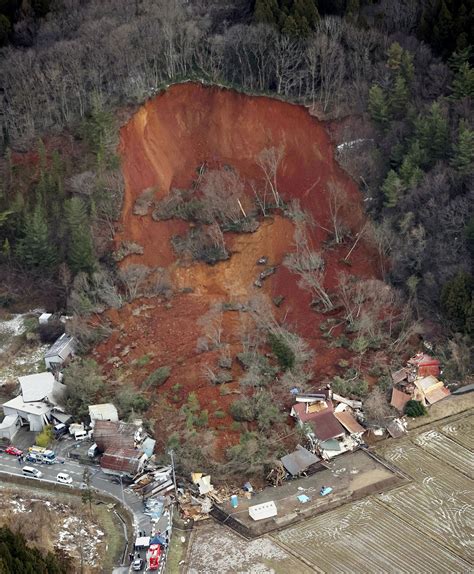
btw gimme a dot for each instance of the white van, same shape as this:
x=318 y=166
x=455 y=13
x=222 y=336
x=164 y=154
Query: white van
x=93 y=451
x=64 y=478
x=81 y=435
x=32 y=472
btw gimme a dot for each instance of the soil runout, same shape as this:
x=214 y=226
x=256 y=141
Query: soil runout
x=162 y=147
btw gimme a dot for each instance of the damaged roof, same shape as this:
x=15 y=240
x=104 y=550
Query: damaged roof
x=298 y=461
x=122 y=459
x=326 y=426
x=399 y=399
x=112 y=434
x=300 y=410
x=349 y=422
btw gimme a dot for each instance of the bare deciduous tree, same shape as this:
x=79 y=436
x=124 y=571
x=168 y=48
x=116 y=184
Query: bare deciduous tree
x=269 y=160
x=337 y=199
x=309 y=265
x=133 y=278
x=223 y=191
x=212 y=325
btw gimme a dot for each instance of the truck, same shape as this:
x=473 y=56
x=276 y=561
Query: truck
x=41 y=455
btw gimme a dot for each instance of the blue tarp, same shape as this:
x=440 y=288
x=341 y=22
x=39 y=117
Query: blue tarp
x=157 y=540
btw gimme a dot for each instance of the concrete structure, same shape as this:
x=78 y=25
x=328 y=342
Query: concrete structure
x=61 y=349
x=35 y=413
x=10 y=426
x=41 y=394
x=103 y=412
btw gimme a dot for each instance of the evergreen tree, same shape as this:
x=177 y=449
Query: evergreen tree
x=456 y=299
x=80 y=253
x=290 y=27
x=463 y=83
x=394 y=56
x=352 y=10
x=399 y=97
x=407 y=66
x=35 y=249
x=306 y=9
x=266 y=12
x=378 y=107
x=432 y=132
x=392 y=188
x=463 y=160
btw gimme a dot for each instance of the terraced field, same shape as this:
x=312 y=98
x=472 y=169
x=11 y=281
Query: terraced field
x=424 y=527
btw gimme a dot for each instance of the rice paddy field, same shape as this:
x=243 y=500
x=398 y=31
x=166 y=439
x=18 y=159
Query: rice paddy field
x=426 y=526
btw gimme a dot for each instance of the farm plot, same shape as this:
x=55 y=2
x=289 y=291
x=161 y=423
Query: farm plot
x=444 y=515
x=421 y=466
x=447 y=450
x=462 y=431
x=366 y=537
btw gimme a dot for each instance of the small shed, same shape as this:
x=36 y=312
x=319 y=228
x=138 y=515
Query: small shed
x=44 y=318
x=103 y=412
x=262 y=511
x=61 y=349
x=299 y=461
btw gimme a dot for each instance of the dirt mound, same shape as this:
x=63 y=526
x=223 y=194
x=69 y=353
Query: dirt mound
x=162 y=147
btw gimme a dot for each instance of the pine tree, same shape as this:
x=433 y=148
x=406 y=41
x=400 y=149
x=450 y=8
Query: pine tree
x=463 y=83
x=352 y=10
x=399 y=97
x=35 y=249
x=290 y=27
x=80 y=252
x=456 y=299
x=392 y=189
x=432 y=132
x=394 y=56
x=378 y=107
x=463 y=160
x=306 y=9
x=266 y=12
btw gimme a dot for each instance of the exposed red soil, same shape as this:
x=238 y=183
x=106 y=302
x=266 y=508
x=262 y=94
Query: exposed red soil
x=161 y=147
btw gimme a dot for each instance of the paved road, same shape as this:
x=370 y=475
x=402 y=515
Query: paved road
x=99 y=480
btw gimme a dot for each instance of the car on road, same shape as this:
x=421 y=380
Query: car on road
x=64 y=478
x=138 y=564
x=31 y=472
x=13 y=450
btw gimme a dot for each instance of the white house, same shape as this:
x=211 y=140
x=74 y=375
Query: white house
x=103 y=412
x=61 y=349
x=41 y=394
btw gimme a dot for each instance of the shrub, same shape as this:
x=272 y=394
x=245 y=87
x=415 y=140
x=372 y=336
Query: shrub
x=415 y=409
x=157 y=378
x=243 y=410
x=45 y=437
x=202 y=419
x=129 y=400
x=219 y=414
x=143 y=361
x=281 y=350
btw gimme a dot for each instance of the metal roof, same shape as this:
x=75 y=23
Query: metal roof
x=349 y=422
x=122 y=459
x=62 y=347
x=33 y=408
x=103 y=412
x=399 y=399
x=326 y=426
x=298 y=461
x=40 y=386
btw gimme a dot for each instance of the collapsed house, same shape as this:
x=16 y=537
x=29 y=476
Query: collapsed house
x=331 y=430
x=124 y=446
x=418 y=381
x=40 y=398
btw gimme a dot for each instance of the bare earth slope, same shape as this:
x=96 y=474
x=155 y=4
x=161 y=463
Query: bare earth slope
x=162 y=147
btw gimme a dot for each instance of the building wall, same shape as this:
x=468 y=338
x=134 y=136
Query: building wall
x=36 y=423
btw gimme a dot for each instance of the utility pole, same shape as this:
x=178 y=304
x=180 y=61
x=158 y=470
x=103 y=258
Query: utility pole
x=171 y=453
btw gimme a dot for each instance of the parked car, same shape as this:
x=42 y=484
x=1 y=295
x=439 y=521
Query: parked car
x=64 y=478
x=138 y=564
x=13 y=450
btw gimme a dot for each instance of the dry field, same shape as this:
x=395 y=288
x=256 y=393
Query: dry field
x=424 y=527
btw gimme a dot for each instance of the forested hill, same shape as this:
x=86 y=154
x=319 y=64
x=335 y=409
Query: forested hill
x=399 y=72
